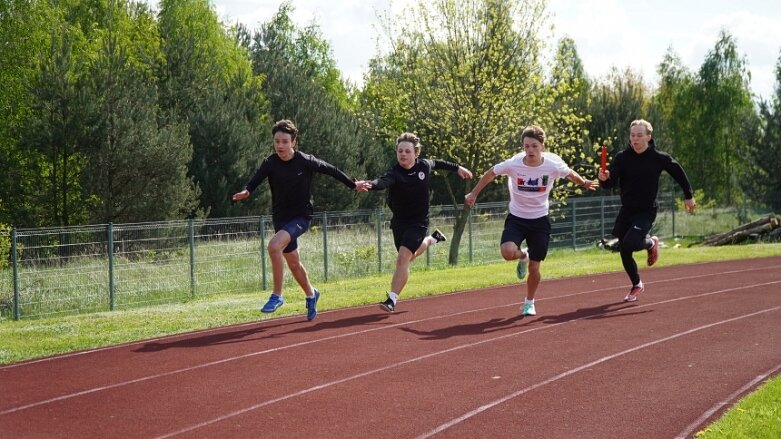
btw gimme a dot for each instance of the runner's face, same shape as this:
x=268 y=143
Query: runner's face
x=533 y=149
x=283 y=145
x=405 y=154
x=639 y=138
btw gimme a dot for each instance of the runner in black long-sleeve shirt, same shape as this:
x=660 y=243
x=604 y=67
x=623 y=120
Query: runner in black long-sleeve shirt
x=408 y=183
x=289 y=173
x=636 y=171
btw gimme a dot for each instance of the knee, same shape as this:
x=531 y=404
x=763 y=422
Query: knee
x=632 y=242
x=275 y=247
x=509 y=252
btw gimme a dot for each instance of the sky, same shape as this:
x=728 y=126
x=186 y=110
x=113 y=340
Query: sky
x=607 y=33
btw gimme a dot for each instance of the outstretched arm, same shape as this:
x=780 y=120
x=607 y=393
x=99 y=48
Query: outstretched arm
x=464 y=173
x=471 y=198
x=582 y=182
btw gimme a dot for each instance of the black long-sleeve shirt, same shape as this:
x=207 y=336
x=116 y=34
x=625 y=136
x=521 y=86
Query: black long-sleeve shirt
x=291 y=183
x=637 y=176
x=408 y=189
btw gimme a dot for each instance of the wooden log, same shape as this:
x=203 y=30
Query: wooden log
x=767 y=219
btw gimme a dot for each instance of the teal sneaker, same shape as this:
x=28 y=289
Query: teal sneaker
x=311 y=306
x=523 y=265
x=274 y=302
x=528 y=309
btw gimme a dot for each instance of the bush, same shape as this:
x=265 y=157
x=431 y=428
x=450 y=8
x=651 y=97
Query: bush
x=5 y=246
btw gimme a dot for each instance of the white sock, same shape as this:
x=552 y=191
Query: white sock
x=527 y=300
x=393 y=296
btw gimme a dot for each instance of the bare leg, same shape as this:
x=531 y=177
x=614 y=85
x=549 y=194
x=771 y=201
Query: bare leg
x=401 y=275
x=533 y=281
x=278 y=242
x=299 y=272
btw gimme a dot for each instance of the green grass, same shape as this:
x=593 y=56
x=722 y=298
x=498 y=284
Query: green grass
x=35 y=338
x=757 y=416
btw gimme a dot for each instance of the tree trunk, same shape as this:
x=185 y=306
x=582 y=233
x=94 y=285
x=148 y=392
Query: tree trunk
x=458 y=232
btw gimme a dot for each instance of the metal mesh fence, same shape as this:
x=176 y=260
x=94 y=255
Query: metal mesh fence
x=71 y=270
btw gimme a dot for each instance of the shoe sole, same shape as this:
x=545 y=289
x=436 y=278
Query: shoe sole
x=386 y=308
x=270 y=311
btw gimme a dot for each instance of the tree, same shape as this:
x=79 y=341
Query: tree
x=208 y=84
x=137 y=169
x=468 y=78
x=721 y=100
x=616 y=100
x=569 y=87
x=766 y=180
x=23 y=36
x=302 y=85
x=52 y=134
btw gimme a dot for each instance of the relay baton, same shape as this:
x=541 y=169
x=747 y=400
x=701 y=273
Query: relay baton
x=603 y=163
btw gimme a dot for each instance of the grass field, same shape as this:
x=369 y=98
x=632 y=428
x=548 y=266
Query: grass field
x=35 y=338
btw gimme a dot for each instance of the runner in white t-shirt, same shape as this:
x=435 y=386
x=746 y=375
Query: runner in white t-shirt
x=531 y=175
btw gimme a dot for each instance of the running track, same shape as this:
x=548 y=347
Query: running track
x=451 y=366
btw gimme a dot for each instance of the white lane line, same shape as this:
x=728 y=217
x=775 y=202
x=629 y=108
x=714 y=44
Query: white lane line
x=727 y=401
x=349 y=334
x=261 y=322
x=506 y=398
x=458 y=348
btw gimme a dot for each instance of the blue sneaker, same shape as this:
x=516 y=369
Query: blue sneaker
x=528 y=309
x=311 y=305
x=274 y=302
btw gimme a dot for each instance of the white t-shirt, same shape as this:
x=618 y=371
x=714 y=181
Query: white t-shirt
x=530 y=185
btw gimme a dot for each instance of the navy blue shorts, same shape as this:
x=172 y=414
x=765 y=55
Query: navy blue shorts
x=536 y=232
x=295 y=228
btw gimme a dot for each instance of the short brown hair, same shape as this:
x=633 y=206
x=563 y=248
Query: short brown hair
x=535 y=132
x=411 y=138
x=285 y=126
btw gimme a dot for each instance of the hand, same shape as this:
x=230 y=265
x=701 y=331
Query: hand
x=464 y=173
x=590 y=185
x=603 y=175
x=362 y=186
x=469 y=199
x=690 y=205
x=239 y=196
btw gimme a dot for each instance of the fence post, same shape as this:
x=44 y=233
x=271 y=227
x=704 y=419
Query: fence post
x=378 y=227
x=110 y=251
x=672 y=199
x=191 y=239
x=574 y=224
x=325 y=246
x=15 y=264
x=263 y=252
x=469 y=226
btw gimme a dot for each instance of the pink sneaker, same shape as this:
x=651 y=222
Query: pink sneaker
x=632 y=296
x=653 y=252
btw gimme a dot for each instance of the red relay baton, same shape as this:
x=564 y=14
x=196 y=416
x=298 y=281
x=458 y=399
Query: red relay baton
x=603 y=163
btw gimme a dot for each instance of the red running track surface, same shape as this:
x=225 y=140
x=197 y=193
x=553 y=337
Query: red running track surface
x=456 y=365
